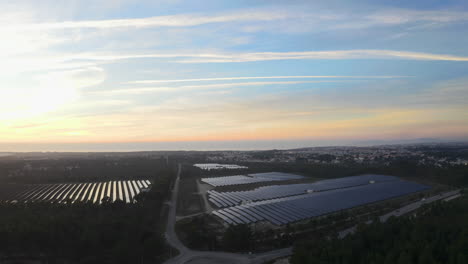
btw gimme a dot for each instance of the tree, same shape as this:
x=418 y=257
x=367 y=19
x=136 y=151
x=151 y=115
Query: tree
x=404 y=258
x=238 y=237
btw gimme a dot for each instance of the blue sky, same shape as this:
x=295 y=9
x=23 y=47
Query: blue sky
x=207 y=71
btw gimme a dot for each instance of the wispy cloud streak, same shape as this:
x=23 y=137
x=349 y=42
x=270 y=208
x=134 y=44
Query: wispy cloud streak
x=203 y=87
x=331 y=19
x=204 y=57
x=265 y=77
x=331 y=55
x=182 y=20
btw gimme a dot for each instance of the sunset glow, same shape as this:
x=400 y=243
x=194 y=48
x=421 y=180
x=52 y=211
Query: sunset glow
x=124 y=71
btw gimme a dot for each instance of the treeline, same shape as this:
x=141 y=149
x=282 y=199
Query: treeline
x=407 y=168
x=88 y=233
x=206 y=233
x=448 y=151
x=99 y=168
x=438 y=235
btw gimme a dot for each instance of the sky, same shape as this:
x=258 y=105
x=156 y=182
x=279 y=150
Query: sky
x=129 y=75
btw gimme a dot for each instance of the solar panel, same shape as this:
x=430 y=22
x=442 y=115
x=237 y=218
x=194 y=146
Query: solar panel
x=285 y=210
x=93 y=192
x=276 y=191
x=250 y=178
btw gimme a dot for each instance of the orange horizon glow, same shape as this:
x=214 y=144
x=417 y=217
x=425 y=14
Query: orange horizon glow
x=137 y=73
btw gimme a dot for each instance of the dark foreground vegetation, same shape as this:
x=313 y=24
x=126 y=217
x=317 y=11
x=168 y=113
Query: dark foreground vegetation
x=87 y=233
x=439 y=234
x=78 y=167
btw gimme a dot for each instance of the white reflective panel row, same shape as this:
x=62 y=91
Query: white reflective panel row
x=64 y=193
x=216 y=166
x=251 y=178
x=93 y=192
x=276 y=176
x=295 y=208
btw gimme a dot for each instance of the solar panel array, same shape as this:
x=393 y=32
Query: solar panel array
x=216 y=166
x=291 y=209
x=224 y=199
x=84 y=192
x=250 y=178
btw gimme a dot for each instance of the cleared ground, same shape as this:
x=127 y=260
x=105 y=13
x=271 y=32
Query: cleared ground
x=189 y=200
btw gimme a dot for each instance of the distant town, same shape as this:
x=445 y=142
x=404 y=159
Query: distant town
x=440 y=155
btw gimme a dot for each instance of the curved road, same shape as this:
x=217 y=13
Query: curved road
x=187 y=255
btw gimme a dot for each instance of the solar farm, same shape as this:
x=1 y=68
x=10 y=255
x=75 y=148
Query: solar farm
x=93 y=192
x=250 y=178
x=283 y=204
x=216 y=166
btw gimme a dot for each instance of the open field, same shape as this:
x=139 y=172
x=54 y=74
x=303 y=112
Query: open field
x=189 y=200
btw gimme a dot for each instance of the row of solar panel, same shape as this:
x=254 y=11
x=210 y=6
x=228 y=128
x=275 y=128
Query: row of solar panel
x=296 y=208
x=224 y=199
x=232 y=180
x=276 y=175
x=250 y=178
x=216 y=166
x=72 y=192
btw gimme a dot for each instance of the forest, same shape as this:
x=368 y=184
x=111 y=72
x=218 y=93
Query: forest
x=439 y=234
x=84 y=168
x=89 y=233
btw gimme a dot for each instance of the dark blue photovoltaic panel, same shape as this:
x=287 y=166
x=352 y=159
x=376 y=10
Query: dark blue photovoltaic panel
x=224 y=199
x=285 y=210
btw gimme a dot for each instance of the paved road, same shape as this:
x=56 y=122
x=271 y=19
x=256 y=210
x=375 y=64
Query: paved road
x=404 y=210
x=413 y=206
x=170 y=234
x=206 y=257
